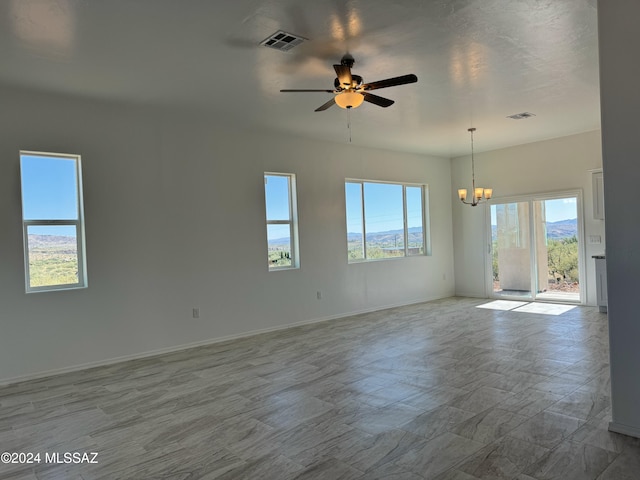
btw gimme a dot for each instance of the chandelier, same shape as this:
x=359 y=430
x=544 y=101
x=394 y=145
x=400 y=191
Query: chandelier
x=478 y=193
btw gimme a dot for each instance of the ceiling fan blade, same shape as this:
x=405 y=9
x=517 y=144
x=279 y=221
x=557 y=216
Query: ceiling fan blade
x=375 y=99
x=326 y=105
x=391 y=82
x=344 y=75
x=306 y=90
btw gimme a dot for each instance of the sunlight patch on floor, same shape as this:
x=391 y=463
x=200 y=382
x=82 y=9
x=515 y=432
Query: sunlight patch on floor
x=528 y=307
x=502 y=305
x=545 y=308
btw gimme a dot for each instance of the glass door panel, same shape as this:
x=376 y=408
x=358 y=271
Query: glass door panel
x=511 y=250
x=557 y=249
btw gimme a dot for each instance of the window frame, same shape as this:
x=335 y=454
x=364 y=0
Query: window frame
x=77 y=223
x=292 y=221
x=426 y=241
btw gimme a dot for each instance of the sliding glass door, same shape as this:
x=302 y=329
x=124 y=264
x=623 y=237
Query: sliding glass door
x=535 y=248
x=511 y=250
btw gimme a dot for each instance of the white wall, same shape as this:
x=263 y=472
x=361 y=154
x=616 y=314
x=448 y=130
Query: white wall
x=175 y=219
x=553 y=165
x=620 y=100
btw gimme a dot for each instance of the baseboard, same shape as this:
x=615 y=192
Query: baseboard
x=470 y=295
x=624 y=429
x=202 y=343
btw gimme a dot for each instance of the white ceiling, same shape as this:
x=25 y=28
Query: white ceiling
x=477 y=62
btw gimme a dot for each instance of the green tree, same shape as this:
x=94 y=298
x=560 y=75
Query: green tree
x=562 y=256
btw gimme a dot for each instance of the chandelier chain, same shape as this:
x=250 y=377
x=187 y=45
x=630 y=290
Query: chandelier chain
x=473 y=168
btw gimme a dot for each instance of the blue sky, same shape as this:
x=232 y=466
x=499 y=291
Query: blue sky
x=277 y=197
x=384 y=209
x=49 y=192
x=555 y=210
x=561 y=209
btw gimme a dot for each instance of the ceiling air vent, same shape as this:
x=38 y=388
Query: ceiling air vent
x=521 y=116
x=282 y=41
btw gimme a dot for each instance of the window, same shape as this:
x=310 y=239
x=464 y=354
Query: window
x=385 y=220
x=282 y=223
x=52 y=219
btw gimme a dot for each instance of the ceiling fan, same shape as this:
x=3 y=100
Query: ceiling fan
x=350 y=92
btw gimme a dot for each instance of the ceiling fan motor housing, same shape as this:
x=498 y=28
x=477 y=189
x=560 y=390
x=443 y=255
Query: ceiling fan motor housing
x=356 y=81
x=347 y=60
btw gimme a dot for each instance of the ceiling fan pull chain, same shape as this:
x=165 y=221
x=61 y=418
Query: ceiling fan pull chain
x=349 y=122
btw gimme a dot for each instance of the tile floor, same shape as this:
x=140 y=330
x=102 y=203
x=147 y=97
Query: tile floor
x=440 y=390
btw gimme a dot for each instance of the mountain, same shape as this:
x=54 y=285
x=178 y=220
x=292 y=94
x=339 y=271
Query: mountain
x=48 y=241
x=555 y=230
x=562 y=229
x=387 y=237
x=383 y=237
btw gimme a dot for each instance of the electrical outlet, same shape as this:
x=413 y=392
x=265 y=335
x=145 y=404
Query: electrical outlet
x=196 y=312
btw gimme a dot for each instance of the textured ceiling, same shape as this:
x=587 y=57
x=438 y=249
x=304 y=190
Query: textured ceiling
x=477 y=62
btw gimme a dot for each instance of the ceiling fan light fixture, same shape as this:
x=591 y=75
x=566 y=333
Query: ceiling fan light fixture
x=349 y=99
